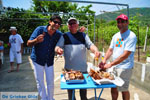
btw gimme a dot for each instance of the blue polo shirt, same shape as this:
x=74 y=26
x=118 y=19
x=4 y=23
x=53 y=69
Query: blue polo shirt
x=43 y=53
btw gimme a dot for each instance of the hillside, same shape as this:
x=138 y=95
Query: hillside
x=142 y=14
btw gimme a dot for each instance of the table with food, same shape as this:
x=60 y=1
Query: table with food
x=95 y=79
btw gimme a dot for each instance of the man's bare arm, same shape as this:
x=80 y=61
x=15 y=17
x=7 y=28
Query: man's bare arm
x=31 y=43
x=121 y=58
x=21 y=48
x=95 y=50
x=59 y=50
x=39 y=39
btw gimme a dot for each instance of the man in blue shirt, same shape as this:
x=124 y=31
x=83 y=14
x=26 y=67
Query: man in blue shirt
x=43 y=40
x=122 y=49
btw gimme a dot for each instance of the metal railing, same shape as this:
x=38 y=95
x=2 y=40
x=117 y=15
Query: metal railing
x=27 y=50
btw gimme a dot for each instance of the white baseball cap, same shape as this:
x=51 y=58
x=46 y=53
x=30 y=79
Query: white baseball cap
x=72 y=18
x=12 y=28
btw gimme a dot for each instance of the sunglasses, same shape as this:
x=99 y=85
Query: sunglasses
x=121 y=21
x=56 y=22
x=72 y=23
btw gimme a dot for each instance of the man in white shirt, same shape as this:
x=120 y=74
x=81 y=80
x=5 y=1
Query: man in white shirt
x=122 y=48
x=16 y=48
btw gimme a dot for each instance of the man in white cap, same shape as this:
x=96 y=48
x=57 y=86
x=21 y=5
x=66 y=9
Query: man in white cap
x=16 y=48
x=74 y=44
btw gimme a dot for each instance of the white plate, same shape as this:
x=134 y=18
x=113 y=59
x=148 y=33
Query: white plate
x=117 y=81
x=101 y=81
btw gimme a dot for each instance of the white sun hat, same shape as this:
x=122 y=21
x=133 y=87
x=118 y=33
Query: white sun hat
x=12 y=28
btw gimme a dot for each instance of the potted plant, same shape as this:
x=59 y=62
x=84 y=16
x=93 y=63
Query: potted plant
x=148 y=57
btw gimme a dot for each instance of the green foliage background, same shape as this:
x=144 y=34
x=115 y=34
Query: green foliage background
x=27 y=20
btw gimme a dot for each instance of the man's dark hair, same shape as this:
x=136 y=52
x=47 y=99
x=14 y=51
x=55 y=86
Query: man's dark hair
x=55 y=17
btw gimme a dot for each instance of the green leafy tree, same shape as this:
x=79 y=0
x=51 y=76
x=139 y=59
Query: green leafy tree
x=64 y=7
x=83 y=10
x=24 y=20
x=53 y=6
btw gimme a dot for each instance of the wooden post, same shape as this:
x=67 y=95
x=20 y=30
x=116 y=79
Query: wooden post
x=97 y=34
x=144 y=49
x=138 y=44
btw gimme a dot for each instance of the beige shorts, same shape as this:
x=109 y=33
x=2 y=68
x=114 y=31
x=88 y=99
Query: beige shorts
x=125 y=74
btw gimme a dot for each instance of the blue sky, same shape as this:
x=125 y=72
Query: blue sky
x=98 y=8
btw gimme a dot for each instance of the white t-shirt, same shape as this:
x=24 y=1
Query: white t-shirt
x=15 y=41
x=121 y=42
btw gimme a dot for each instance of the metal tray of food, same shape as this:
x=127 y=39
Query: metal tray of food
x=73 y=77
x=75 y=81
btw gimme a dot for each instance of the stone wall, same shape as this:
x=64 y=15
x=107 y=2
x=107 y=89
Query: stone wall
x=141 y=76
